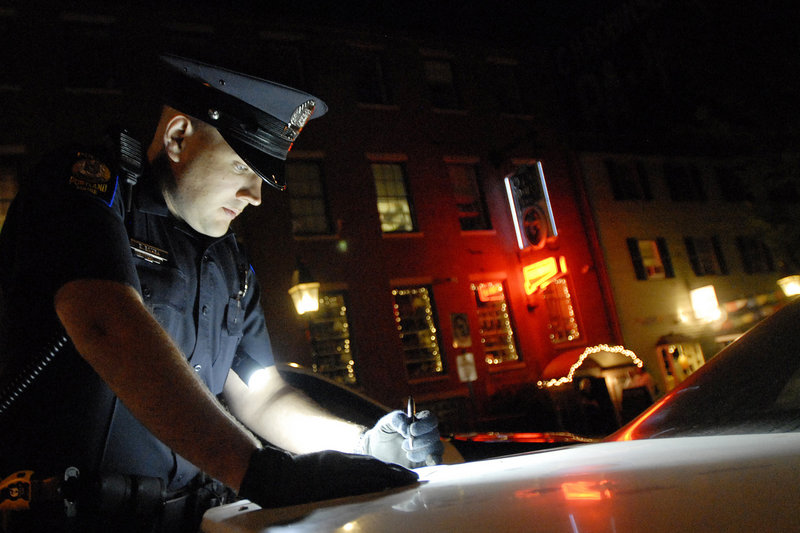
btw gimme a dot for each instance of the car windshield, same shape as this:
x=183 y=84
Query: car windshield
x=752 y=386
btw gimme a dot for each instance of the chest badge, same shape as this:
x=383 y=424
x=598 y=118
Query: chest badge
x=148 y=252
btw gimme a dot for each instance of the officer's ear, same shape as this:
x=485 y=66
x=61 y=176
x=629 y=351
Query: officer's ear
x=178 y=128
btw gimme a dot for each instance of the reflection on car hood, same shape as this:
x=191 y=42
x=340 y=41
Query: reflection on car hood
x=728 y=483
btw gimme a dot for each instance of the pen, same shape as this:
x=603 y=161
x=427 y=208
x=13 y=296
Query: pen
x=411 y=412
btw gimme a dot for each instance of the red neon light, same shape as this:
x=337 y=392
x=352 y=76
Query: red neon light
x=490 y=292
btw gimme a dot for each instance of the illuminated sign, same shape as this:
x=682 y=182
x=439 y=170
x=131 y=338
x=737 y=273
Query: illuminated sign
x=490 y=292
x=530 y=206
x=539 y=274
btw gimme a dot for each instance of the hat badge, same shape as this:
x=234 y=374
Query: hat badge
x=298 y=119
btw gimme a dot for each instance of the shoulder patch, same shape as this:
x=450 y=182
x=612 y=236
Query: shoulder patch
x=91 y=175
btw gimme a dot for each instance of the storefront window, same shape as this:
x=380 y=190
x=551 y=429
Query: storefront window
x=416 y=325
x=330 y=340
x=562 y=325
x=497 y=333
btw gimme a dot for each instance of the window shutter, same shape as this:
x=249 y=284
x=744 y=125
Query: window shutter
x=697 y=267
x=723 y=266
x=644 y=180
x=636 y=258
x=661 y=242
x=747 y=262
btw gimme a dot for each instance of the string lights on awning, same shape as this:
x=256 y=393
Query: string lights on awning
x=586 y=353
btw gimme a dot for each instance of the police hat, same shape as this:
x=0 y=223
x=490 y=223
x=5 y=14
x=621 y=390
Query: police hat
x=259 y=119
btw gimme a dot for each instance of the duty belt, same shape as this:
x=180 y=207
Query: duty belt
x=114 y=495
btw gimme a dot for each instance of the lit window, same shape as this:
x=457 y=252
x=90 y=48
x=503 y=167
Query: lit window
x=439 y=76
x=416 y=325
x=307 y=198
x=650 y=259
x=394 y=205
x=331 y=347
x=468 y=197
x=562 y=322
x=494 y=317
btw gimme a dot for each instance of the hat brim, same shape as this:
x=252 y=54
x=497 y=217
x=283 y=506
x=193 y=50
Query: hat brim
x=270 y=169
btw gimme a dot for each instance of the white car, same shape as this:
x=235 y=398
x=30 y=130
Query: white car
x=719 y=453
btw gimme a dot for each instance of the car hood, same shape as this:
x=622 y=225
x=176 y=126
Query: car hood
x=722 y=483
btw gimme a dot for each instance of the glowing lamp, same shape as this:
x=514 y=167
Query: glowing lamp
x=705 y=304
x=790 y=285
x=304 y=291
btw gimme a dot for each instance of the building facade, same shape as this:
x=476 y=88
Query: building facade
x=438 y=278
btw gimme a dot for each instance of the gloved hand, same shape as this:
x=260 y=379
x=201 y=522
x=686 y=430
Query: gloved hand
x=275 y=478
x=398 y=439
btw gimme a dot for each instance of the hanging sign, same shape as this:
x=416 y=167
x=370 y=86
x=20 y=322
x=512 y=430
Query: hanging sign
x=530 y=206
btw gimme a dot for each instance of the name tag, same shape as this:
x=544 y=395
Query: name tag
x=148 y=252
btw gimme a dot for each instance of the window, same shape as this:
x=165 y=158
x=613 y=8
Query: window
x=494 y=317
x=330 y=340
x=684 y=183
x=504 y=86
x=783 y=189
x=281 y=62
x=756 y=257
x=471 y=206
x=732 y=187
x=416 y=325
x=394 y=204
x=369 y=78
x=562 y=323
x=89 y=63
x=650 y=259
x=307 y=198
x=14 y=63
x=629 y=180
x=705 y=255
x=442 y=89
x=9 y=181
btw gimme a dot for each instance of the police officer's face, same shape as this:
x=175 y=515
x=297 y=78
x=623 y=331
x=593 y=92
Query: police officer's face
x=213 y=184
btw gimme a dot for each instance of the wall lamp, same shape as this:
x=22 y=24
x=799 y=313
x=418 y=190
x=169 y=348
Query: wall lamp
x=790 y=285
x=304 y=291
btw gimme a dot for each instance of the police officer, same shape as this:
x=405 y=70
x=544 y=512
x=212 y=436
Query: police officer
x=126 y=319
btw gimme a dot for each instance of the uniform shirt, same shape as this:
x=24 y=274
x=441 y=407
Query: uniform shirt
x=70 y=224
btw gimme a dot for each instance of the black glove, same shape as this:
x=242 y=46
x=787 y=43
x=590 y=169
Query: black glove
x=398 y=439
x=275 y=478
